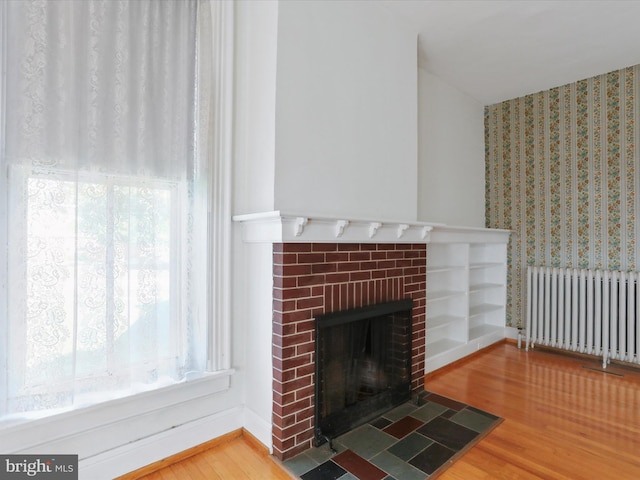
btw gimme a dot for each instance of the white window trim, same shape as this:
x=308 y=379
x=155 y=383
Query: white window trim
x=79 y=428
x=220 y=224
x=3 y=198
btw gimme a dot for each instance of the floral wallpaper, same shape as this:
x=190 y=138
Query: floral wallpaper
x=562 y=173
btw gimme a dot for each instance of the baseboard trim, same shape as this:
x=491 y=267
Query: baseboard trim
x=512 y=333
x=161 y=449
x=254 y=443
x=259 y=428
x=179 y=457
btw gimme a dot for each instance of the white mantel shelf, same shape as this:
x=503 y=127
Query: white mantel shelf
x=455 y=234
x=281 y=227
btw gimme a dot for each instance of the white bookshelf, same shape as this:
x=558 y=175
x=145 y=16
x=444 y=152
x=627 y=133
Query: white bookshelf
x=466 y=292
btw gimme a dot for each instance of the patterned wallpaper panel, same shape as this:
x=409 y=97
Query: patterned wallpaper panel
x=562 y=173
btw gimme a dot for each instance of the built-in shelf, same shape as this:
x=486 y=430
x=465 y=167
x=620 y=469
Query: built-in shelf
x=446 y=268
x=466 y=292
x=484 y=308
x=442 y=346
x=484 y=286
x=484 y=265
x=443 y=321
x=443 y=294
x=485 y=330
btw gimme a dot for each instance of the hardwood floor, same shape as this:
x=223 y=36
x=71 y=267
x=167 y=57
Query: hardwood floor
x=562 y=421
x=235 y=456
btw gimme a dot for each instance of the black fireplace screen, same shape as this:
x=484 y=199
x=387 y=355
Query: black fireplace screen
x=363 y=365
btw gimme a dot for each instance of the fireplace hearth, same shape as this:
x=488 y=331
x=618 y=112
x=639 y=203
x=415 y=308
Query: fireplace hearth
x=363 y=365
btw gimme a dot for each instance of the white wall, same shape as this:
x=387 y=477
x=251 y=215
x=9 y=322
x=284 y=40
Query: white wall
x=253 y=190
x=255 y=105
x=333 y=117
x=346 y=111
x=253 y=332
x=451 y=154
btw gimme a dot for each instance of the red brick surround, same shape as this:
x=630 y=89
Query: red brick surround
x=314 y=278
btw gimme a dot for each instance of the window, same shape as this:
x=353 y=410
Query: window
x=107 y=187
x=99 y=310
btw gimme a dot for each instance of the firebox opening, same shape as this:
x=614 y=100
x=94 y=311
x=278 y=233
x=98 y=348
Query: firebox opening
x=363 y=365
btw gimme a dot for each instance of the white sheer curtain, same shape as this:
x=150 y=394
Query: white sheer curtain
x=104 y=199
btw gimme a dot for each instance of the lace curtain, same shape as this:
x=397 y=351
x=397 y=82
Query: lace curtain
x=104 y=121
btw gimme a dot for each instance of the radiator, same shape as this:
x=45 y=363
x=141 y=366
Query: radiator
x=587 y=311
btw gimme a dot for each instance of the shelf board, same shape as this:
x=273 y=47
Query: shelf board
x=484 y=308
x=442 y=294
x=474 y=266
x=478 y=287
x=443 y=268
x=484 y=330
x=441 y=346
x=442 y=321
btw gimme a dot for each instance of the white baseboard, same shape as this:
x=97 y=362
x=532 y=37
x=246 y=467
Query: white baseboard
x=511 y=332
x=152 y=449
x=259 y=428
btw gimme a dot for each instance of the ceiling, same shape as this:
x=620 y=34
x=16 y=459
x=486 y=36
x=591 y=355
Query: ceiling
x=503 y=49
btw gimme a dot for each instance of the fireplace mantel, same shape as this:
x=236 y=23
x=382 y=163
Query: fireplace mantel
x=281 y=227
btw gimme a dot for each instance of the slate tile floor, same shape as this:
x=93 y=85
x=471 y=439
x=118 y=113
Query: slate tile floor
x=414 y=441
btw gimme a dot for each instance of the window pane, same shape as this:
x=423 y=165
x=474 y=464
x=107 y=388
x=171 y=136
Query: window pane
x=50 y=277
x=101 y=290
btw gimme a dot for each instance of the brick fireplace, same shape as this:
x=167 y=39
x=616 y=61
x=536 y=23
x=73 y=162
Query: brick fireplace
x=310 y=279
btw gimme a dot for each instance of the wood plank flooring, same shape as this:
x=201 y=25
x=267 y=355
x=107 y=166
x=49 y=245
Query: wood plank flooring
x=562 y=421
x=237 y=456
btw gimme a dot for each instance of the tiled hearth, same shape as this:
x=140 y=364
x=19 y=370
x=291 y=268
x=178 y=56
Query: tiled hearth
x=410 y=442
x=315 y=278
